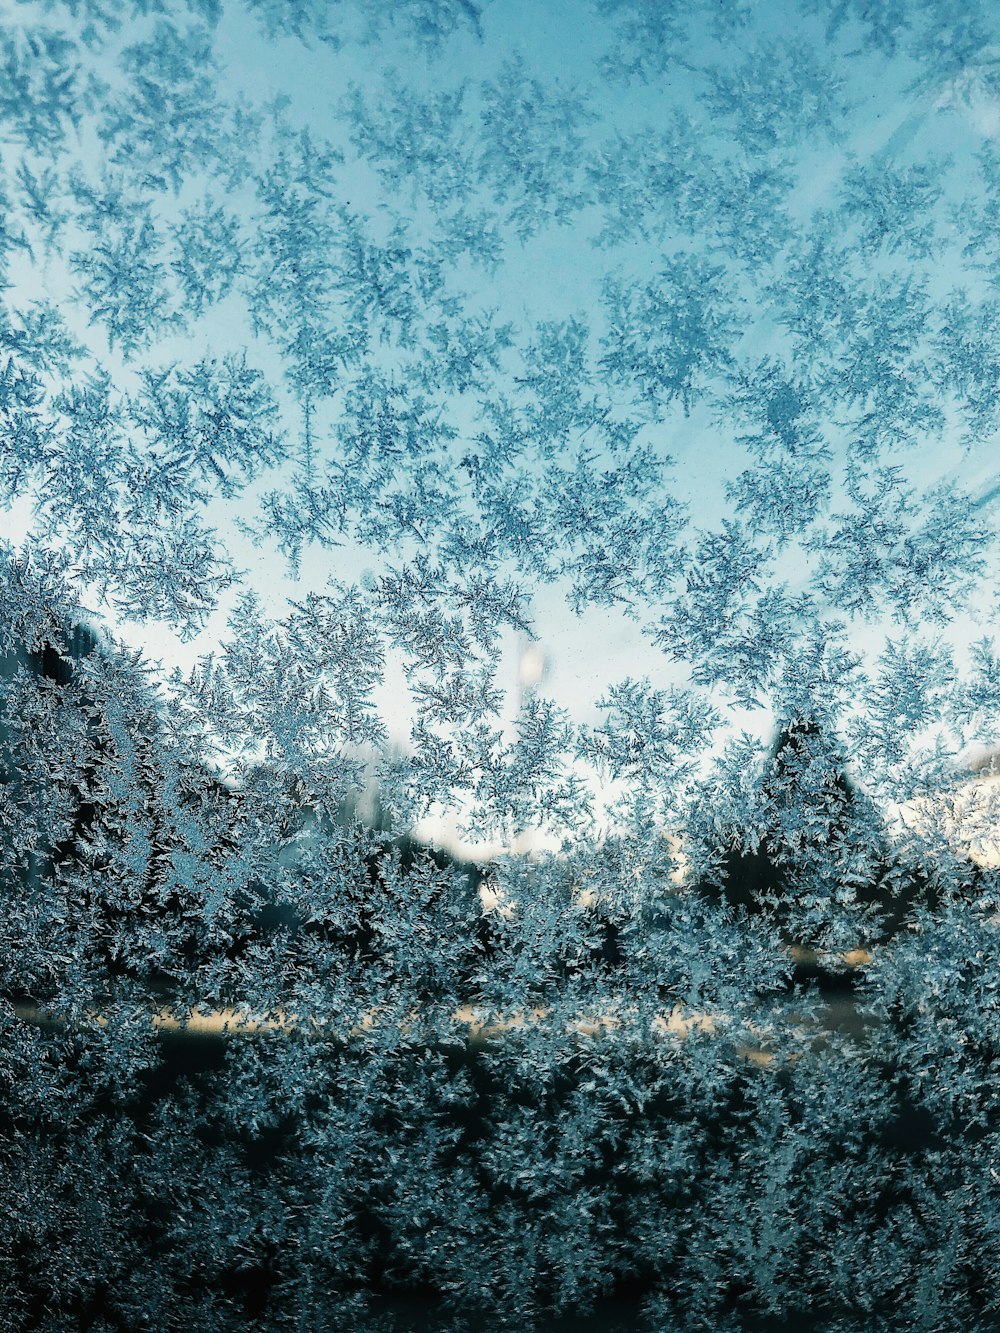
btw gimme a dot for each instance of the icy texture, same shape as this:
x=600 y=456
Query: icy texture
x=339 y=342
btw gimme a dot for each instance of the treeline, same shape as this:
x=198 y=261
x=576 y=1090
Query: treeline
x=307 y=1174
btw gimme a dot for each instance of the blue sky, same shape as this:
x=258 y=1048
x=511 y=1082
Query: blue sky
x=631 y=157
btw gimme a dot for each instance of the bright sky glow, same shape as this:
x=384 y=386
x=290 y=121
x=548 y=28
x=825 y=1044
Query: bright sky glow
x=638 y=210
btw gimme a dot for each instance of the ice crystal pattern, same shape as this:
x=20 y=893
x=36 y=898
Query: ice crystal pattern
x=340 y=342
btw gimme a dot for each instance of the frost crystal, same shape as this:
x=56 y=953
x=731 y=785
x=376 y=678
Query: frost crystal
x=499 y=679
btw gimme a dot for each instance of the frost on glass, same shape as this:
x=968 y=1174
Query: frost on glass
x=499 y=674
